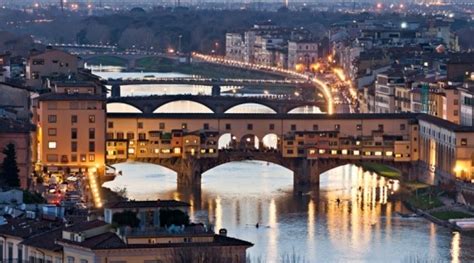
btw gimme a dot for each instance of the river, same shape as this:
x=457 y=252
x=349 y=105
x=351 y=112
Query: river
x=314 y=227
x=364 y=227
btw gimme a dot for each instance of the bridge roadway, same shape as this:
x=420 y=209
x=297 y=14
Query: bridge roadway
x=217 y=104
x=212 y=82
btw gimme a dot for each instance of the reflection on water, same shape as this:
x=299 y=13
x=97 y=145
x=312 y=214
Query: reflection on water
x=350 y=218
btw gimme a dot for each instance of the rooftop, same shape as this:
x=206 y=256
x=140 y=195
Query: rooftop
x=64 y=96
x=15 y=126
x=111 y=240
x=84 y=226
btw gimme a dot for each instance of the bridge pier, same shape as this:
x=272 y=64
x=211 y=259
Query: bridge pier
x=115 y=91
x=189 y=173
x=305 y=172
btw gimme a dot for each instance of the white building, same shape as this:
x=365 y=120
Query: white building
x=302 y=53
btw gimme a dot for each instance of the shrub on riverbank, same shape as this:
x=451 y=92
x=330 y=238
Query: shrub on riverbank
x=382 y=170
x=446 y=215
x=424 y=201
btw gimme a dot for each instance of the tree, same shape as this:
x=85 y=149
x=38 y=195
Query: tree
x=9 y=167
x=126 y=218
x=176 y=217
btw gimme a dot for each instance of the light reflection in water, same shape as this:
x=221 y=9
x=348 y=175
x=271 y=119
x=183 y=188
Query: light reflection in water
x=362 y=227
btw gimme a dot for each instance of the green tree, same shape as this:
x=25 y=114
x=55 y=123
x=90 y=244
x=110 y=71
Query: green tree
x=126 y=218
x=9 y=167
x=176 y=217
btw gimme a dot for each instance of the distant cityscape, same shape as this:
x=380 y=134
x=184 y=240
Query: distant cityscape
x=367 y=107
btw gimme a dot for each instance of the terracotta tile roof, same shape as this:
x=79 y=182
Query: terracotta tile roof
x=110 y=240
x=46 y=240
x=83 y=226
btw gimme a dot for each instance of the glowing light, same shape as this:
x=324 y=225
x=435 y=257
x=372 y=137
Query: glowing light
x=379 y=5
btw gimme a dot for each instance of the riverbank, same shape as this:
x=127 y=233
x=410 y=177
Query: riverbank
x=438 y=206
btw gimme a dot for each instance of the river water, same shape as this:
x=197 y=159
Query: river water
x=363 y=227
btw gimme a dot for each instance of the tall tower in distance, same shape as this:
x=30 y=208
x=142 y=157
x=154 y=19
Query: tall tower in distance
x=61 y=3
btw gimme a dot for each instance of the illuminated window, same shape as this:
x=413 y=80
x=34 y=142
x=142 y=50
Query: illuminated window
x=157 y=150
x=312 y=151
x=388 y=153
x=131 y=150
x=177 y=150
x=356 y=152
x=211 y=150
x=378 y=153
x=344 y=152
x=322 y=151
x=91 y=118
x=357 y=142
x=52 y=145
x=367 y=153
x=333 y=152
x=165 y=150
x=463 y=141
x=91 y=157
x=398 y=155
x=203 y=150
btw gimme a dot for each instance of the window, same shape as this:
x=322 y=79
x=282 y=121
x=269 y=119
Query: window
x=83 y=157
x=337 y=127
x=91 y=146
x=73 y=118
x=184 y=126
x=249 y=126
x=206 y=126
x=73 y=147
x=91 y=133
x=315 y=127
x=272 y=127
x=20 y=253
x=52 y=145
x=73 y=158
x=380 y=127
x=52 y=131
x=1 y=249
x=142 y=136
x=120 y=136
x=289 y=151
x=293 y=127
x=10 y=252
x=91 y=158
x=162 y=125
x=52 y=118
x=110 y=124
x=91 y=118
x=130 y=135
x=73 y=133
x=70 y=259
x=110 y=136
x=402 y=127
x=140 y=125
x=463 y=141
x=359 y=127
x=83 y=260
x=228 y=126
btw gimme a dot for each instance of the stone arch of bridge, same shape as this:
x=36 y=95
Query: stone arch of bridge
x=306 y=108
x=260 y=107
x=122 y=107
x=183 y=106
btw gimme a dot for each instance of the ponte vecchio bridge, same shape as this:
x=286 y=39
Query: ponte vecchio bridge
x=191 y=144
